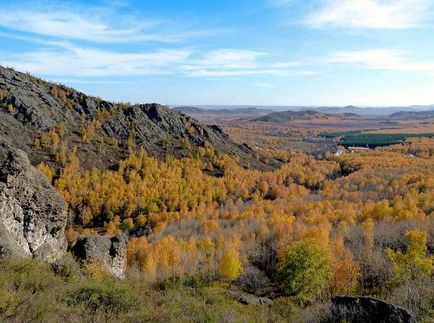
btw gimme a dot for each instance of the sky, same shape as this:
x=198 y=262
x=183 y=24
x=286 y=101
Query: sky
x=228 y=52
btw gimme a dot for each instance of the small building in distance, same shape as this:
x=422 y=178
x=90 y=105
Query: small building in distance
x=358 y=149
x=338 y=152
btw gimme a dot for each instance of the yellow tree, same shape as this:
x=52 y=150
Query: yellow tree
x=230 y=265
x=345 y=269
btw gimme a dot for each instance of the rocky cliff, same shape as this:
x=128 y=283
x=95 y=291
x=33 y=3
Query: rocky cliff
x=32 y=213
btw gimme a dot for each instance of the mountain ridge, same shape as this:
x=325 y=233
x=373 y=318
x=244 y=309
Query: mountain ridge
x=102 y=131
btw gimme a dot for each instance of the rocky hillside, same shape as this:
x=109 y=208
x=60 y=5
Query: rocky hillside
x=38 y=116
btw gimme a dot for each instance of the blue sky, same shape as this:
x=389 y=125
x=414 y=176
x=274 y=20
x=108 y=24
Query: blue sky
x=259 y=52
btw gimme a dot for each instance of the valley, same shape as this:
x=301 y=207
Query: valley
x=134 y=212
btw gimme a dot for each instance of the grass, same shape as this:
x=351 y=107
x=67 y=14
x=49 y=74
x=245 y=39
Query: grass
x=32 y=291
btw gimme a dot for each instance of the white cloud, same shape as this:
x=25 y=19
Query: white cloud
x=231 y=58
x=372 y=14
x=72 y=60
x=65 y=59
x=382 y=59
x=264 y=85
x=221 y=73
x=94 y=26
x=234 y=62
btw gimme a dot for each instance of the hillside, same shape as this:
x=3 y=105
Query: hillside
x=34 y=114
x=287 y=116
x=222 y=115
x=412 y=115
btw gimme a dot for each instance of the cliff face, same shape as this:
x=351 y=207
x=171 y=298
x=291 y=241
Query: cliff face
x=30 y=107
x=32 y=213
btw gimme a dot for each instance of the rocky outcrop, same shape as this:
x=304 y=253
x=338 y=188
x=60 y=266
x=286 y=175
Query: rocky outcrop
x=38 y=106
x=366 y=309
x=32 y=213
x=109 y=253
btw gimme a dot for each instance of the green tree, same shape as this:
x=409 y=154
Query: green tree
x=414 y=264
x=305 y=270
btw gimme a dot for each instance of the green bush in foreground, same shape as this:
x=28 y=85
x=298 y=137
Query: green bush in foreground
x=305 y=270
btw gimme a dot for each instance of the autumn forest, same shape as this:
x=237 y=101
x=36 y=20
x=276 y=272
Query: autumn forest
x=357 y=224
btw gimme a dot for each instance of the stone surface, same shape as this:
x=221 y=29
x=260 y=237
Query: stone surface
x=366 y=309
x=248 y=299
x=32 y=213
x=110 y=253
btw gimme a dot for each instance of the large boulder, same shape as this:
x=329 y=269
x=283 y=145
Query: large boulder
x=32 y=213
x=109 y=253
x=367 y=309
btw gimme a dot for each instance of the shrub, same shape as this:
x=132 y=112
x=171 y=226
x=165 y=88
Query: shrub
x=106 y=297
x=3 y=95
x=305 y=270
x=126 y=225
x=46 y=170
x=67 y=268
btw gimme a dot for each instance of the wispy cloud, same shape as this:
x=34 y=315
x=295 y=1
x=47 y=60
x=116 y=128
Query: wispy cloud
x=94 y=25
x=263 y=85
x=382 y=59
x=233 y=62
x=72 y=60
x=63 y=58
x=372 y=14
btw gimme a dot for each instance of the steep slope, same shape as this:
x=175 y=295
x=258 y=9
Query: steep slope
x=38 y=116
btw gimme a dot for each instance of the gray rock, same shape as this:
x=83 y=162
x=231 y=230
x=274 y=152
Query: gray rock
x=32 y=213
x=248 y=299
x=367 y=309
x=110 y=253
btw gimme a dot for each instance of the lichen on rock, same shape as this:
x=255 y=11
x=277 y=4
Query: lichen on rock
x=32 y=213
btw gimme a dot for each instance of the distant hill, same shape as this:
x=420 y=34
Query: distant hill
x=208 y=115
x=412 y=115
x=101 y=130
x=189 y=110
x=287 y=116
